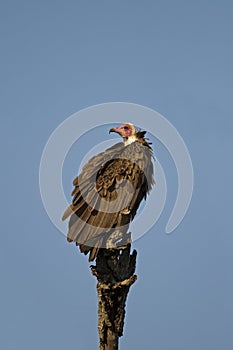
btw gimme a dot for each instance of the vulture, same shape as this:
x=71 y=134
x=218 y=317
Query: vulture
x=108 y=191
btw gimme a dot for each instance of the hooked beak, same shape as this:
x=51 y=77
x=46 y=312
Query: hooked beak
x=112 y=130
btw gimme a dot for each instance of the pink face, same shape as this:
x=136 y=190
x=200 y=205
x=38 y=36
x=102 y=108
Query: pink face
x=124 y=130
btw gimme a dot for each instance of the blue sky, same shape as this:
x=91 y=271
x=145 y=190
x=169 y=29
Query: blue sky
x=172 y=56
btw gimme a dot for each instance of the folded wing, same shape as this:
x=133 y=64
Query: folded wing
x=107 y=195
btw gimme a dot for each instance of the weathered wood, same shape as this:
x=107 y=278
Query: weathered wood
x=114 y=270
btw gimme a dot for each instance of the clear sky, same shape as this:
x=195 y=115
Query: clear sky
x=58 y=57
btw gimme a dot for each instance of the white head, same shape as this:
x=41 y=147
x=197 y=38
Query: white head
x=127 y=131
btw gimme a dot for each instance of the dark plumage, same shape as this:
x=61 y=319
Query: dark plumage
x=109 y=191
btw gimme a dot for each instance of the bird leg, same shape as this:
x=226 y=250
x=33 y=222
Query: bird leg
x=118 y=240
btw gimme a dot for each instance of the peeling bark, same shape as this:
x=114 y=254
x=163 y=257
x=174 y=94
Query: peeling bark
x=114 y=270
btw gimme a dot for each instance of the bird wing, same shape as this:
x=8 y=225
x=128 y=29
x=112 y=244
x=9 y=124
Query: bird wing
x=107 y=195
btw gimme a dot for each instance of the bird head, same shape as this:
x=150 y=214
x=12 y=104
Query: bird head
x=125 y=130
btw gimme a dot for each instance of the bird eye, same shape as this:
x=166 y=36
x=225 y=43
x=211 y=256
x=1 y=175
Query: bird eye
x=126 y=127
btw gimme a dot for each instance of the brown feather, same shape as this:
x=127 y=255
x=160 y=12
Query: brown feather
x=103 y=183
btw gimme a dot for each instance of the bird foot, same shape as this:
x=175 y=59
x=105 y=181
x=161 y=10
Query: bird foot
x=125 y=211
x=118 y=240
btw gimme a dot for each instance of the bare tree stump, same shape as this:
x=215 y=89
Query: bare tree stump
x=114 y=270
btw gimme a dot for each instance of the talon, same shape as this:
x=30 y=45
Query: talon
x=125 y=211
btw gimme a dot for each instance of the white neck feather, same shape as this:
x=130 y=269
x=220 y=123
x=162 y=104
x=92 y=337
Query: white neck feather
x=129 y=140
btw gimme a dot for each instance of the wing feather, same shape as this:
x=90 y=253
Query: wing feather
x=118 y=178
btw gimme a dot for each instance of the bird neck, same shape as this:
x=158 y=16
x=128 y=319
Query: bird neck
x=129 y=140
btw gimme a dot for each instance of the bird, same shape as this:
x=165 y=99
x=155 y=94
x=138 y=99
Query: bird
x=108 y=192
